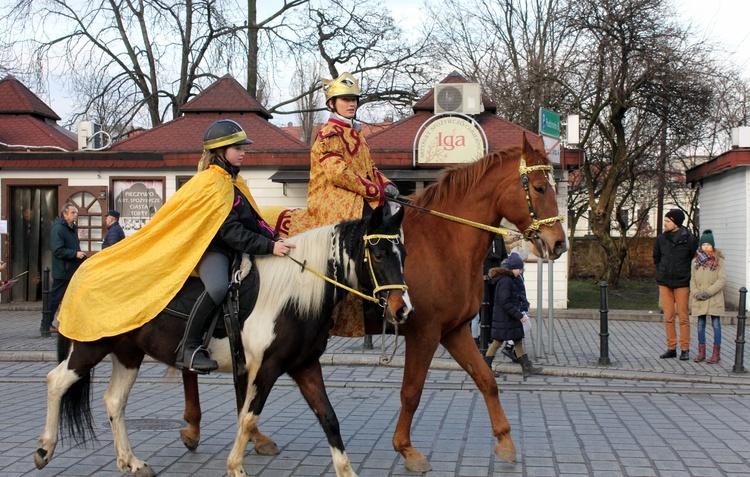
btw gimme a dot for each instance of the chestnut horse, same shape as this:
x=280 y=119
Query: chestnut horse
x=444 y=274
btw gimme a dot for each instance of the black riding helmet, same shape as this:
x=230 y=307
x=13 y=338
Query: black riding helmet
x=223 y=133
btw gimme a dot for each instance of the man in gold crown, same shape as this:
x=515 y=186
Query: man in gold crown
x=344 y=183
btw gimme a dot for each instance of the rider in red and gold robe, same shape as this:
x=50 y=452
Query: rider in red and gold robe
x=344 y=184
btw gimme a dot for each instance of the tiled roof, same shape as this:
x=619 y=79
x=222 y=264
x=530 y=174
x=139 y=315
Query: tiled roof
x=34 y=132
x=26 y=123
x=15 y=98
x=225 y=96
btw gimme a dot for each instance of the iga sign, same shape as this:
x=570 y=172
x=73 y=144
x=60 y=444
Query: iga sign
x=450 y=140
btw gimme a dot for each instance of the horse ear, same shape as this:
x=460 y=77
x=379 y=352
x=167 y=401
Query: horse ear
x=377 y=217
x=526 y=146
x=398 y=217
x=539 y=145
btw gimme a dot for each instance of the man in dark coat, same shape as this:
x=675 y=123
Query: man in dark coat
x=114 y=230
x=66 y=258
x=674 y=250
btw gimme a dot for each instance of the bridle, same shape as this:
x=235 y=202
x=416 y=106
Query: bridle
x=523 y=170
x=382 y=301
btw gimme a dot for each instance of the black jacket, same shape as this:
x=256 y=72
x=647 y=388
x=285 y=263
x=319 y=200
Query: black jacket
x=243 y=231
x=496 y=255
x=506 y=313
x=114 y=235
x=673 y=252
x=65 y=247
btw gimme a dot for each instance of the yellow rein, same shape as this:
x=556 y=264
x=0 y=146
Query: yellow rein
x=372 y=298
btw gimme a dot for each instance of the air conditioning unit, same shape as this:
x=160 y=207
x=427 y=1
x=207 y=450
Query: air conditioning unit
x=741 y=136
x=86 y=138
x=465 y=98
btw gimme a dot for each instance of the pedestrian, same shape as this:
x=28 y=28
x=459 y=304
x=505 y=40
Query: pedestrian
x=114 y=230
x=707 y=291
x=509 y=348
x=507 y=318
x=495 y=257
x=345 y=183
x=673 y=253
x=211 y=219
x=66 y=258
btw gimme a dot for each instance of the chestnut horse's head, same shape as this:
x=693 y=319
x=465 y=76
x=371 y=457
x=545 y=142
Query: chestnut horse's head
x=384 y=258
x=527 y=197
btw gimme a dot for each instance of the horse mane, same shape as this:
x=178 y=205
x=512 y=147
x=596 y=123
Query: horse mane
x=283 y=282
x=457 y=180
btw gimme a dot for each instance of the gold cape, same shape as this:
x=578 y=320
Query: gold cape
x=126 y=285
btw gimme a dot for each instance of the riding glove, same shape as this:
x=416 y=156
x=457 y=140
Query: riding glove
x=391 y=191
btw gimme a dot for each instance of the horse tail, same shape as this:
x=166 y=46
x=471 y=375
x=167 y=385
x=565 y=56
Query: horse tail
x=76 y=420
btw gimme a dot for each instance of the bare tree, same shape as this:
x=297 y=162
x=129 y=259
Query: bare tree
x=306 y=82
x=643 y=74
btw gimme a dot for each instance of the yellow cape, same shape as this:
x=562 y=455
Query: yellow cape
x=126 y=285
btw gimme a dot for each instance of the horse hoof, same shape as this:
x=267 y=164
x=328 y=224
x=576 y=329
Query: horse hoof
x=145 y=471
x=267 y=448
x=41 y=458
x=508 y=455
x=189 y=442
x=418 y=465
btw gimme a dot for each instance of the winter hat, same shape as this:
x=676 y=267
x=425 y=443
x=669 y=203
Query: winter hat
x=676 y=216
x=514 y=262
x=707 y=237
x=114 y=214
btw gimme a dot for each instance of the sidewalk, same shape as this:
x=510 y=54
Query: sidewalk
x=636 y=339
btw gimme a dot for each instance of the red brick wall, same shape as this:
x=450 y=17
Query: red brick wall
x=586 y=258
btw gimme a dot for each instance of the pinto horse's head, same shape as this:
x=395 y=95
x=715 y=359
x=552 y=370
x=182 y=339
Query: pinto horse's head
x=384 y=264
x=530 y=201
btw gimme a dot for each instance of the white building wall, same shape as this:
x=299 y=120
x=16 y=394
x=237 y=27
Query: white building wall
x=724 y=206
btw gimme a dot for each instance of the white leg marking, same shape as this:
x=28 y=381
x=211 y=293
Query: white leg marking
x=58 y=381
x=342 y=464
x=115 y=400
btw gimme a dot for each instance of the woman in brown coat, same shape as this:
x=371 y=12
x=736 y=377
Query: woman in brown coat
x=706 y=291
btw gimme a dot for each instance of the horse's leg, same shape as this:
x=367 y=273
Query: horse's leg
x=461 y=346
x=191 y=435
x=310 y=382
x=420 y=348
x=263 y=444
x=115 y=400
x=59 y=381
x=246 y=422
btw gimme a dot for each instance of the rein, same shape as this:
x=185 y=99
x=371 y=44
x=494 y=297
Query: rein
x=527 y=234
x=367 y=260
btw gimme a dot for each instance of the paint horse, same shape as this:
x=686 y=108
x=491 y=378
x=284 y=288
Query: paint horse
x=286 y=332
x=444 y=273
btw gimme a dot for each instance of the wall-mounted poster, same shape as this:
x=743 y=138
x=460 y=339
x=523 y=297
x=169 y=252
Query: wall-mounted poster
x=137 y=201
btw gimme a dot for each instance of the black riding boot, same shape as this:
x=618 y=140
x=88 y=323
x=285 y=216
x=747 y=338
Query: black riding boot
x=190 y=354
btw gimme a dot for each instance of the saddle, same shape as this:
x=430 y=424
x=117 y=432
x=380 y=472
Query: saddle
x=181 y=305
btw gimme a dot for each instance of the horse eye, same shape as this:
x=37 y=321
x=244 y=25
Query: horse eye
x=378 y=256
x=539 y=189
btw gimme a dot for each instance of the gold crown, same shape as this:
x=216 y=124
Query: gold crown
x=344 y=85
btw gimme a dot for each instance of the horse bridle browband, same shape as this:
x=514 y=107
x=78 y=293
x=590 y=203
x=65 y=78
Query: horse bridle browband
x=531 y=231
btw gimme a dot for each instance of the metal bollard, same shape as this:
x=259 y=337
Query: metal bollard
x=739 y=351
x=485 y=316
x=45 y=295
x=603 y=325
x=367 y=343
